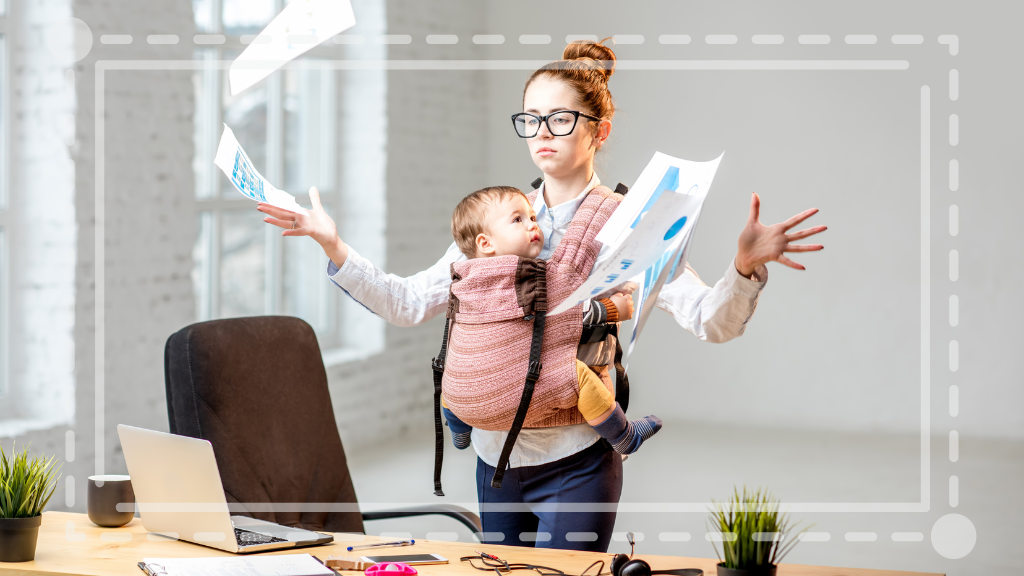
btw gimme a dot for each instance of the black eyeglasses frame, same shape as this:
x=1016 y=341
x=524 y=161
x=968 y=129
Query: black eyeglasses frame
x=576 y=118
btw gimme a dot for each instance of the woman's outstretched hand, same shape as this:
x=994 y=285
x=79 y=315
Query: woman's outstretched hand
x=317 y=225
x=760 y=244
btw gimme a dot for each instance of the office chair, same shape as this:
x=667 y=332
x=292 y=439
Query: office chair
x=256 y=388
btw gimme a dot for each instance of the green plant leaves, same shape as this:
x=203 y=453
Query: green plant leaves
x=26 y=485
x=754 y=533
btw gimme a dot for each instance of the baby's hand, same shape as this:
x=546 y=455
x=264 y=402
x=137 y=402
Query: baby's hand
x=627 y=288
x=624 y=304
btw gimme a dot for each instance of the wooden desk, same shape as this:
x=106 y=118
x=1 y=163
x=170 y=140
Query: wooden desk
x=69 y=544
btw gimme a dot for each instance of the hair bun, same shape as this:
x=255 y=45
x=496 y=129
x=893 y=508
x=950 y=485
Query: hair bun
x=587 y=50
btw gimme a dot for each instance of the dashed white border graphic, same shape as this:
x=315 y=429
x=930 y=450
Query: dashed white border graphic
x=953 y=535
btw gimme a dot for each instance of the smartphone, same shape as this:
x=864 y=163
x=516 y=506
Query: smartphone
x=410 y=559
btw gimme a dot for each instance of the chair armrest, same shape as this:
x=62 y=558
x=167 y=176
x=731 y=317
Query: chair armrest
x=467 y=518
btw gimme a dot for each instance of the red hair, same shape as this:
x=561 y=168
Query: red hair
x=585 y=67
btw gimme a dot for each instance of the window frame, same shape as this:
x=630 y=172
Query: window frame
x=339 y=344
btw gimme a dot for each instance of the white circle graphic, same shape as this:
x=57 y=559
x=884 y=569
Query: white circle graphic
x=954 y=536
x=69 y=39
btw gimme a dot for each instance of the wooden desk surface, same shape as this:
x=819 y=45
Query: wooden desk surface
x=69 y=544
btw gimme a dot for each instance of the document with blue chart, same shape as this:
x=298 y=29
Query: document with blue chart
x=673 y=262
x=650 y=233
x=235 y=163
x=668 y=220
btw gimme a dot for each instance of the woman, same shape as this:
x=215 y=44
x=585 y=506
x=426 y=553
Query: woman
x=566 y=120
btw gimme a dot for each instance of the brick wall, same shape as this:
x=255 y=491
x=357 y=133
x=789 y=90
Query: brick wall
x=41 y=218
x=148 y=227
x=147 y=222
x=41 y=227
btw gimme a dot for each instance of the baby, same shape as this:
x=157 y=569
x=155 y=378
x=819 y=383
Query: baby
x=499 y=221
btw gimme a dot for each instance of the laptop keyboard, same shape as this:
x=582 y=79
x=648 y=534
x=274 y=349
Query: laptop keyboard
x=247 y=538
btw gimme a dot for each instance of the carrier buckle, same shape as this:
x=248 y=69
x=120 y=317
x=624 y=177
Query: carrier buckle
x=437 y=365
x=534 y=373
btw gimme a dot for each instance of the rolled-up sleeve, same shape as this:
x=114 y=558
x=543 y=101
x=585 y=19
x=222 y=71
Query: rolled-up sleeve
x=714 y=314
x=403 y=301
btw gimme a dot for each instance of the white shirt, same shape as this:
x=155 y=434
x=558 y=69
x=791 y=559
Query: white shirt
x=714 y=314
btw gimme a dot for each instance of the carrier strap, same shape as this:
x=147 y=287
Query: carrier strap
x=438 y=366
x=594 y=333
x=524 y=403
x=621 y=378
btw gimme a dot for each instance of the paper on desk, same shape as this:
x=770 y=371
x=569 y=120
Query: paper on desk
x=283 y=565
x=235 y=164
x=302 y=25
x=664 y=226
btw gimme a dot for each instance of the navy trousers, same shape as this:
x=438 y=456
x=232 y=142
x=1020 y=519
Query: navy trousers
x=569 y=504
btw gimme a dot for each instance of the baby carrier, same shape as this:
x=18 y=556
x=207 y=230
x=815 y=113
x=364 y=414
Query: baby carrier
x=497 y=319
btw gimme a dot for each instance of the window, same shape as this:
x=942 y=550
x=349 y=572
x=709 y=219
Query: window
x=4 y=363
x=38 y=236
x=299 y=127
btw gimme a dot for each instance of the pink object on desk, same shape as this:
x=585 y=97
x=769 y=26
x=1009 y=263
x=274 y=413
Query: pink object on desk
x=390 y=569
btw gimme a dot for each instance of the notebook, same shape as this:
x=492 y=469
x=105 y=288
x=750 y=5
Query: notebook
x=283 y=565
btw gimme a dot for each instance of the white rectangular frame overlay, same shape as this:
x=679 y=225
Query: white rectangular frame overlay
x=102 y=66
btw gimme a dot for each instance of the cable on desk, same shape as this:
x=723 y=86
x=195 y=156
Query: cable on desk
x=503 y=567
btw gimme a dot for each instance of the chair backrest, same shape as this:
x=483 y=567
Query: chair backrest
x=256 y=388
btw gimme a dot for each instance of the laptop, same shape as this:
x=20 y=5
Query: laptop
x=179 y=495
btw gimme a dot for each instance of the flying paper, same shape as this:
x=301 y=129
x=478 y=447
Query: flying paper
x=235 y=164
x=302 y=25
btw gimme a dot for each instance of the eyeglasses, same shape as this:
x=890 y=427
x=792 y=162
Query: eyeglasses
x=559 y=123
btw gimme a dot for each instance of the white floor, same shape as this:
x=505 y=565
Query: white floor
x=691 y=464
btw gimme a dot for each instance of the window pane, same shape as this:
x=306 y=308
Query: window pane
x=246 y=115
x=307 y=292
x=205 y=127
x=203 y=265
x=309 y=104
x=242 y=264
x=247 y=16
x=304 y=283
x=3 y=121
x=3 y=314
x=204 y=16
x=3 y=204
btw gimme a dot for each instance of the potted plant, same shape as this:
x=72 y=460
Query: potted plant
x=754 y=535
x=26 y=485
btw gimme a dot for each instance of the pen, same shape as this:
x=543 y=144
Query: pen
x=396 y=543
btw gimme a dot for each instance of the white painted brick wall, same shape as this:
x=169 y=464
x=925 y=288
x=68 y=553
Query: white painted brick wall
x=435 y=156
x=149 y=226
x=41 y=221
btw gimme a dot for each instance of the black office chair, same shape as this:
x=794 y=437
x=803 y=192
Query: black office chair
x=256 y=388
